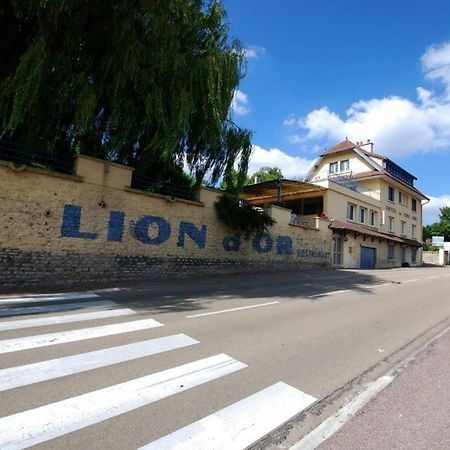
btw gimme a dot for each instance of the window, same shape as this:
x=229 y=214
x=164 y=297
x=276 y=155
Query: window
x=403 y=227
x=334 y=168
x=414 y=204
x=390 y=223
x=413 y=230
x=391 y=252
x=402 y=198
x=414 y=255
x=391 y=193
x=373 y=218
x=351 y=211
x=339 y=167
x=345 y=165
x=362 y=214
x=398 y=172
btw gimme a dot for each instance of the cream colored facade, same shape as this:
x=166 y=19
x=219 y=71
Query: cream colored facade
x=377 y=209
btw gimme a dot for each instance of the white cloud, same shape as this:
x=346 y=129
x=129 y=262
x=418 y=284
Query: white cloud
x=254 y=51
x=431 y=209
x=239 y=103
x=291 y=166
x=397 y=125
x=290 y=120
x=436 y=63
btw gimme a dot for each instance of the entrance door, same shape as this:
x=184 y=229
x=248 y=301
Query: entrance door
x=403 y=255
x=337 y=250
x=368 y=258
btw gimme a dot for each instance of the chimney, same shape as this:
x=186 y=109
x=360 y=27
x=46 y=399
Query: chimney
x=368 y=144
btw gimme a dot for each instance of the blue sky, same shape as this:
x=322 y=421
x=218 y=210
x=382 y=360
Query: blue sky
x=321 y=70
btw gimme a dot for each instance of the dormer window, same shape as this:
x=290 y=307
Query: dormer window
x=334 y=167
x=345 y=165
x=339 y=167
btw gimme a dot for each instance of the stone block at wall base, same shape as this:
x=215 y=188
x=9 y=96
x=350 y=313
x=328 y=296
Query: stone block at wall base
x=21 y=269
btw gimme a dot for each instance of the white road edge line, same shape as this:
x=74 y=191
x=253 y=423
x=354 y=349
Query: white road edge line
x=114 y=289
x=64 y=318
x=410 y=281
x=231 y=309
x=329 y=293
x=14 y=377
x=31 y=427
x=45 y=340
x=331 y=425
x=327 y=428
x=240 y=424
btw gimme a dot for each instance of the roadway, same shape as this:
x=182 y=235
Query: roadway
x=123 y=368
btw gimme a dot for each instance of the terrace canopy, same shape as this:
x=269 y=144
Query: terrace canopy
x=278 y=191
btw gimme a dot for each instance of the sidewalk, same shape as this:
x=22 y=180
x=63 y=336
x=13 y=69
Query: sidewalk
x=413 y=412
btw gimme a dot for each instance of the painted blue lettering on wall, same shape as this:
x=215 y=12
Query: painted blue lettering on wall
x=115 y=226
x=232 y=243
x=141 y=230
x=154 y=230
x=284 y=245
x=71 y=223
x=198 y=236
x=263 y=243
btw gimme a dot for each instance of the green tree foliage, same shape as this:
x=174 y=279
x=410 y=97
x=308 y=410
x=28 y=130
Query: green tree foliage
x=266 y=174
x=240 y=217
x=441 y=228
x=231 y=181
x=146 y=83
x=444 y=214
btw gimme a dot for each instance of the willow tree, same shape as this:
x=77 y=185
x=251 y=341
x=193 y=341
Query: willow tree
x=147 y=83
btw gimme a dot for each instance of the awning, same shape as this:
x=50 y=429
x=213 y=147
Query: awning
x=271 y=191
x=374 y=234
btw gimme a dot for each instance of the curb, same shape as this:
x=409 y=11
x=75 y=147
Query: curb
x=335 y=422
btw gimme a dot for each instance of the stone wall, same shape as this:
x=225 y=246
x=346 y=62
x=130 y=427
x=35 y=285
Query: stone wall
x=439 y=257
x=59 y=230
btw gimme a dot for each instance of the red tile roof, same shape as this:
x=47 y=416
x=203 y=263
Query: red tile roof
x=349 y=145
x=341 y=147
x=360 y=229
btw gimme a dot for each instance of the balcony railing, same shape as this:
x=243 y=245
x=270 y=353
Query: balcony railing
x=349 y=182
x=304 y=221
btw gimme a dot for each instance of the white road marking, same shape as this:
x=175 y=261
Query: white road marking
x=115 y=289
x=231 y=309
x=66 y=318
x=410 y=281
x=58 y=307
x=47 y=297
x=14 y=377
x=45 y=340
x=329 y=293
x=240 y=424
x=433 y=277
x=47 y=422
x=327 y=428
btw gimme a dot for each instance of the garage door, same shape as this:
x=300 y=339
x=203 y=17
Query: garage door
x=367 y=258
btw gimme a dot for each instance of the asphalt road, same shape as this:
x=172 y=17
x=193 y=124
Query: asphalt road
x=289 y=338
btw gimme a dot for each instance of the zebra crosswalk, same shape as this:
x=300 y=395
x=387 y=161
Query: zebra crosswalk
x=53 y=308
x=236 y=426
